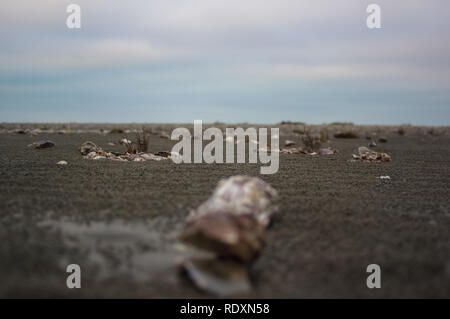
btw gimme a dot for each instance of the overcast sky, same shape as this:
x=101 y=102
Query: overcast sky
x=258 y=61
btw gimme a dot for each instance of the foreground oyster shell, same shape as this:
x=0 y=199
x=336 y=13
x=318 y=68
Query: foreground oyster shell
x=368 y=155
x=288 y=143
x=240 y=195
x=230 y=225
x=239 y=237
x=363 y=150
x=327 y=151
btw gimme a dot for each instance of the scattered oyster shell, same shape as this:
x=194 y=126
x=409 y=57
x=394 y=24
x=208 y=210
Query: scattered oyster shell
x=363 y=150
x=288 y=143
x=148 y=156
x=88 y=147
x=371 y=156
x=42 y=144
x=294 y=150
x=301 y=150
x=62 y=163
x=372 y=144
x=163 y=154
x=125 y=141
x=327 y=151
x=99 y=157
x=91 y=155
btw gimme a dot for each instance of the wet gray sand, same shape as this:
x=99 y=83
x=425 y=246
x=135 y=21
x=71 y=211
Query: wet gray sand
x=119 y=221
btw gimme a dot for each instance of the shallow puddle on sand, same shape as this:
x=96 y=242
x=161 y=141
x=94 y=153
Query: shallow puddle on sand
x=138 y=251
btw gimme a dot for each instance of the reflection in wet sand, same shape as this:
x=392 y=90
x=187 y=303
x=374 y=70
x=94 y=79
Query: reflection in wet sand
x=120 y=249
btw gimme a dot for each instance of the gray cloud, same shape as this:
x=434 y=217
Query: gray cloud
x=172 y=52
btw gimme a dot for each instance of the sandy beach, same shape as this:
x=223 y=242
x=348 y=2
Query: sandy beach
x=120 y=221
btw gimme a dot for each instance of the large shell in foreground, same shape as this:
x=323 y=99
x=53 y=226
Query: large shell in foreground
x=241 y=195
x=232 y=221
x=239 y=237
x=230 y=225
